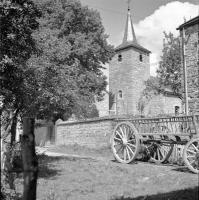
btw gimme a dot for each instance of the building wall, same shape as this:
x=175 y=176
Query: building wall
x=160 y=105
x=128 y=76
x=192 y=58
x=94 y=133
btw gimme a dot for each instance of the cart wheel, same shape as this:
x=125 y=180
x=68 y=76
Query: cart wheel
x=191 y=155
x=161 y=152
x=125 y=142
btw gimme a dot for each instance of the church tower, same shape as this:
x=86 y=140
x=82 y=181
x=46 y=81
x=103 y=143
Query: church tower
x=128 y=70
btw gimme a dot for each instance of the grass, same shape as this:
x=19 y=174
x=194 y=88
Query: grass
x=68 y=178
x=79 y=179
x=104 y=152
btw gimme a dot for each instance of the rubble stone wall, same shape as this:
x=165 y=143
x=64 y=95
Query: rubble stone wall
x=93 y=133
x=192 y=64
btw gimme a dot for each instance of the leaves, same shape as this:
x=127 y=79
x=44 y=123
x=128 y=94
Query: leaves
x=52 y=60
x=169 y=70
x=74 y=47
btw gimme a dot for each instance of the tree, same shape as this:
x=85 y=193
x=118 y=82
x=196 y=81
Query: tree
x=169 y=71
x=74 y=48
x=18 y=19
x=152 y=88
x=168 y=75
x=52 y=72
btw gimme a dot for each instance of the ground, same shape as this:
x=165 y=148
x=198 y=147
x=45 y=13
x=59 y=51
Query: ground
x=95 y=175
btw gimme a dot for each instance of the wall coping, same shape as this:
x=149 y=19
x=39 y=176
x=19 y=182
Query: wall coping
x=119 y=117
x=98 y=119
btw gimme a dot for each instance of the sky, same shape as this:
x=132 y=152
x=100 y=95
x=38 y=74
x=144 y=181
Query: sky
x=150 y=17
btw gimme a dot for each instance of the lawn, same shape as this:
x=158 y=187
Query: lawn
x=73 y=178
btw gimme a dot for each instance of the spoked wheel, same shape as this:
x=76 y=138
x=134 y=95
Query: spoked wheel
x=191 y=155
x=160 y=151
x=125 y=142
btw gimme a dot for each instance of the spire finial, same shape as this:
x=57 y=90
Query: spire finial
x=129 y=1
x=129 y=34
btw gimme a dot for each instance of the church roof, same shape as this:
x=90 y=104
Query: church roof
x=129 y=39
x=127 y=45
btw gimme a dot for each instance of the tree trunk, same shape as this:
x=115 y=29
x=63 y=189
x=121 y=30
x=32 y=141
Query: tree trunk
x=30 y=163
x=13 y=129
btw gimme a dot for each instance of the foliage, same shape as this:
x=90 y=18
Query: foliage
x=169 y=71
x=56 y=70
x=73 y=49
x=18 y=21
x=10 y=158
x=168 y=75
x=53 y=71
x=152 y=88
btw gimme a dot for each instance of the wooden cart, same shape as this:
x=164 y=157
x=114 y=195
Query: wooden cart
x=159 y=136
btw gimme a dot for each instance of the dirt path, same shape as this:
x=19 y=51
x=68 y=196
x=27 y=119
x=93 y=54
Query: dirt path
x=81 y=178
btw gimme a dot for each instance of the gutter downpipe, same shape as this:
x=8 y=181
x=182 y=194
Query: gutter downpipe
x=185 y=72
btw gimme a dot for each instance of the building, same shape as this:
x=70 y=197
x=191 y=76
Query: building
x=128 y=70
x=189 y=32
x=165 y=103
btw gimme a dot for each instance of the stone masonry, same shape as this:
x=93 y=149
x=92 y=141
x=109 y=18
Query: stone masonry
x=128 y=70
x=191 y=30
x=93 y=133
x=128 y=76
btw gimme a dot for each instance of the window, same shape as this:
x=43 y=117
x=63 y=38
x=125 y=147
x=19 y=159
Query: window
x=177 y=110
x=119 y=57
x=120 y=94
x=141 y=58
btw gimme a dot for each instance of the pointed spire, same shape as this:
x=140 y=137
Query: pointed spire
x=129 y=34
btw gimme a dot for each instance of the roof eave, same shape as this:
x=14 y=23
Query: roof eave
x=131 y=45
x=193 y=21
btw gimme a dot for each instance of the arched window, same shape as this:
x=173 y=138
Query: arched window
x=119 y=58
x=120 y=96
x=177 y=110
x=141 y=58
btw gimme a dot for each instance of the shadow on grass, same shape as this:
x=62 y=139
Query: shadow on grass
x=187 y=194
x=47 y=167
x=183 y=169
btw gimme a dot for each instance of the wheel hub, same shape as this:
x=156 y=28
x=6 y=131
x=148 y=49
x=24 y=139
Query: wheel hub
x=124 y=141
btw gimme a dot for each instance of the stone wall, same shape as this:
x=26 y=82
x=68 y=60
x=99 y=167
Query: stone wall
x=94 y=133
x=161 y=104
x=192 y=63
x=128 y=75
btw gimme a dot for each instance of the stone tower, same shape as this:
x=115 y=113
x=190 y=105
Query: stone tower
x=128 y=70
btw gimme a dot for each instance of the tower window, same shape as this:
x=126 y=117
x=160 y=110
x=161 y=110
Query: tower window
x=119 y=57
x=177 y=110
x=120 y=94
x=141 y=58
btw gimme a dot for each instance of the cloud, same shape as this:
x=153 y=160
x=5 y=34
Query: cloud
x=167 y=18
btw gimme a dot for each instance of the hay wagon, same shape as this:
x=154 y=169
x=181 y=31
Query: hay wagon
x=158 y=136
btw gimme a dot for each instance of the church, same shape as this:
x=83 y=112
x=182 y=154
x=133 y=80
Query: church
x=128 y=71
